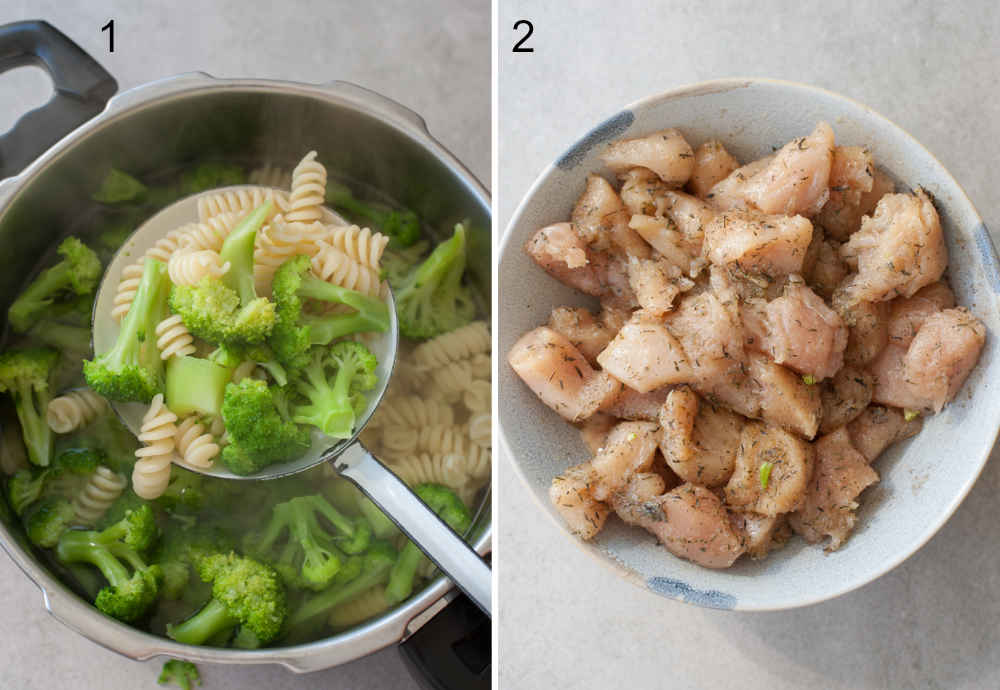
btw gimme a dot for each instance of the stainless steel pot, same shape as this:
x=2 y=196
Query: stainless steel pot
x=166 y=124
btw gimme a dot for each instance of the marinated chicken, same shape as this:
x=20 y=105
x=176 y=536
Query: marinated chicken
x=765 y=332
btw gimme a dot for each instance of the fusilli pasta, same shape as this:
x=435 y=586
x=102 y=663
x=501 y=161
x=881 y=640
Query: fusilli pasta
x=194 y=446
x=334 y=266
x=481 y=366
x=451 y=381
x=279 y=242
x=191 y=266
x=74 y=410
x=173 y=338
x=480 y=429
x=151 y=473
x=361 y=244
x=127 y=287
x=471 y=339
x=241 y=202
x=426 y=468
x=476 y=397
x=102 y=489
x=209 y=234
x=308 y=191
x=413 y=411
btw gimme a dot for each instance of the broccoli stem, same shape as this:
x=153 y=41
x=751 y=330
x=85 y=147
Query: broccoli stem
x=211 y=620
x=332 y=402
x=403 y=572
x=337 y=595
x=35 y=431
x=372 y=314
x=61 y=335
x=85 y=547
x=238 y=251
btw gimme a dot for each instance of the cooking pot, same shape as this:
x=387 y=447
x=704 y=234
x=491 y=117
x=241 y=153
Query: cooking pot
x=55 y=157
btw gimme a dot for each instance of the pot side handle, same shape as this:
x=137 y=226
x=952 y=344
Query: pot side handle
x=382 y=104
x=452 y=651
x=82 y=88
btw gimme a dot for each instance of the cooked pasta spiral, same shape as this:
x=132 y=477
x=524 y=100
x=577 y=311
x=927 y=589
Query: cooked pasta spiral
x=308 y=191
x=279 y=242
x=482 y=367
x=210 y=233
x=471 y=339
x=165 y=246
x=368 y=604
x=173 y=338
x=478 y=464
x=413 y=411
x=334 y=266
x=102 y=489
x=271 y=176
x=194 y=446
x=476 y=397
x=450 y=382
x=361 y=244
x=190 y=266
x=426 y=468
x=480 y=429
x=74 y=410
x=241 y=202
x=151 y=473
x=127 y=287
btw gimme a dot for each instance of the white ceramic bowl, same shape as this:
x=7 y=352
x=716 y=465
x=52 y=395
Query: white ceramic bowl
x=923 y=480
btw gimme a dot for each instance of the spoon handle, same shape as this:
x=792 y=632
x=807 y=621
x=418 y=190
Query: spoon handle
x=448 y=551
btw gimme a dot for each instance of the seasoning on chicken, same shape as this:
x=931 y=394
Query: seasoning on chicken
x=666 y=153
x=645 y=356
x=633 y=405
x=628 y=449
x=907 y=314
x=565 y=256
x=761 y=534
x=771 y=471
x=840 y=217
x=712 y=163
x=700 y=441
x=878 y=427
x=757 y=242
x=868 y=331
x=589 y=335
x=796 y=181
x=656 y=283
x=570 y=494
x=601 y=219
x=844 y=397
x=804 y=334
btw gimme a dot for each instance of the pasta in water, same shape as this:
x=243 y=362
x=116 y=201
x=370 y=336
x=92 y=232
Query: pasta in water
x=369 y=603
x=334 y=266
x=173 y=338
x=480 y=426
x=450 y=382
x=476 y=396
x=74 y=410
x=241 y=202
x=471 y=339
x=426 y=468
x=412 y=411
x=281 y=241
x=361 y=244
x=151 y=473
x=190 y=266
x=127 y=287
x=194 y=446
x=308 y=191
x=102 y=489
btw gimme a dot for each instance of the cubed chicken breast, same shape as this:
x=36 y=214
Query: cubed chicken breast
x=559 y=374
x=656 y=283
x=852 y=174
x=841 y=218
x=942 y=354
x=628 y=449
x=570 y=494
x=709 y=330
x=796 y=182
x=589 y=335
x=823 y=269
x=898 y=250
x=878 y=427
x=845 y=397
x=594 y=430
x=840 y=474
x=782 y=397
x=771 y=471
x=663 y=235
x=692 y=523
x=666 y=153
x=601 y=219
x=758 y=243
x=712 y=164
x=643 y=192
x=631 y=404
x=728 y=194
x=564 y=255
x=907 y=314
x=804 y=334
x=638 y=501
x=700 y=441
x=761 y=534
x=868 y=331
x=645 y=355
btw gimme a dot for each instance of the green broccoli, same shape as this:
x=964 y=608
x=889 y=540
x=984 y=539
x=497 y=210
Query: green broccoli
x=228 y=310
x=397 y=264
x=211 y=175
x=25 y=375
x=245 y=593
x=295 y=331
x=401 y=227
x=196 y=386
x=46 y=520
x=232 y=356
x=128 y=502
x=304 y=551
x=183 y=673
x=432 y=300
x=334 y=383
x=259 y=434
x=132 y=368
x=65 y=476
x=119 y=187
x=108 y=435
x=76 y=274
x=74 y=340
x=450 y=508
x=181 y=549
x=113 y=550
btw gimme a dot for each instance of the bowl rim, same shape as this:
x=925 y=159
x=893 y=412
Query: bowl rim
x=506 y=243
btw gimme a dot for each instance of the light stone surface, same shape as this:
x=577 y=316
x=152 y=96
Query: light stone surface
x=432 y=56
x=567 y=621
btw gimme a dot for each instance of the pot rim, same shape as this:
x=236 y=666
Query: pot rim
x=81 y=616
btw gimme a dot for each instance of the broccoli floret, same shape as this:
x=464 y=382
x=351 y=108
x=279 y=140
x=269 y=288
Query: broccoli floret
x=132 y=368
x=181 y=549
x=46 y=520
x=183 y=673
x=68 y=473
x=432 y=300
x=231 y=357
x=245 y=592
x=295 y=330
x=396 y=265
x=210 y=175
x=301 y=547
x=402 y=227
x=108 y=435
x=118 y=187
x=259 y=435
x=76 y=274
x=128 y=502
x=334 y=383
x=25 y=375
x=450 y=508
x=113 y=551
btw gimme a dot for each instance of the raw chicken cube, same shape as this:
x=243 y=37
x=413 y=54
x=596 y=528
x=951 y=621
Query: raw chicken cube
x=771 y=471
x=712 y=163
x=878 y=427
x=907 y=314
x=692 y=523
x=700 y=441
x=757 y=242
x=666 y=153
x=564 y=255
x=645 y=356
x=570 y=494
x=581 y=328
x=628 y=449
x=601 y=219
x=796 y=181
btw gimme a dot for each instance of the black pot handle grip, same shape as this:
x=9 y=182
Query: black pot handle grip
x=82 y=89
x=452 y=650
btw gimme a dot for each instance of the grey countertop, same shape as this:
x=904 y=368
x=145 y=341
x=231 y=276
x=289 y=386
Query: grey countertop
x=565 y=621
x=432 y=56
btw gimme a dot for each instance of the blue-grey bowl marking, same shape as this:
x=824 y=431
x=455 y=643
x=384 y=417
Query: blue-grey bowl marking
x=675 y=589
x=984 y=243
x=606 y=131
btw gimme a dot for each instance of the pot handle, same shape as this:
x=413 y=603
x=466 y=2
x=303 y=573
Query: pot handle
x=451 y=651
x=82 y=89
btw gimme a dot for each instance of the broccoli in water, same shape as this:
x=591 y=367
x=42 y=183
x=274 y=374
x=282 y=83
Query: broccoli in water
x=67 y=473
x=228 y=310
x=295 y=331
x=181 y=549
x=401 y=227
x=113 y=551
x=245 y=593
x=25 y=375
x=119 y=187
x=397 y=264
x=76 y=274
x=432 y=300
x=183 y=673
x=308 y=551
x=132 y=369
x=259 y=428
x=211 y=175
x=334 y=383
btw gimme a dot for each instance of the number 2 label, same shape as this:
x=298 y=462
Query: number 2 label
x=519 y=47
